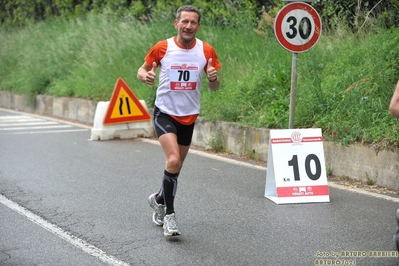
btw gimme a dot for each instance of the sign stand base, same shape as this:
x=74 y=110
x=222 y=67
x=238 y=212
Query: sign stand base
x=119 y=131
x=278 y=200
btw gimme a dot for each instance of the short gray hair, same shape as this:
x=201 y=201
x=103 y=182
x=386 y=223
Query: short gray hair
x=187 y=8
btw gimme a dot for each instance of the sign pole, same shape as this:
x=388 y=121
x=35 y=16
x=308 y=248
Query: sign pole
x=293 y=89
x=296 y=167
x=297 y=27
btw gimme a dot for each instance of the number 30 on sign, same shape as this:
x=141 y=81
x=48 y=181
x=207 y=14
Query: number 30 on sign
x=297 y=27
x=296 y=171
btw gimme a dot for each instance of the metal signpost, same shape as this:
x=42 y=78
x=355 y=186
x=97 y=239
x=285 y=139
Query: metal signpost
x=297 y=27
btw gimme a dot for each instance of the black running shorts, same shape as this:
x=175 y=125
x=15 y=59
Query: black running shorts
x=164 y=123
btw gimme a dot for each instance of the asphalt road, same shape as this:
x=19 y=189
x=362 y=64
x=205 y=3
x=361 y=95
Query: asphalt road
x=67 y=200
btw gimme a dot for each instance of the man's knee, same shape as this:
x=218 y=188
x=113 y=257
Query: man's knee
x=173 y=164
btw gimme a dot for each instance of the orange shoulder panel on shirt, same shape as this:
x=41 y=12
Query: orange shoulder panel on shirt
x=156 y=53
x=209 y=52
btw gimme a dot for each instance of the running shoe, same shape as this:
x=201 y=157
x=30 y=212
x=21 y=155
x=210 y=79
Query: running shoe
x=159 y=210
x=170 y=225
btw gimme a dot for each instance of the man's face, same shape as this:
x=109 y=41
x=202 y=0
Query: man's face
x=187 y=27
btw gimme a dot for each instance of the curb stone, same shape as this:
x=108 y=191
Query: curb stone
x=354 y=161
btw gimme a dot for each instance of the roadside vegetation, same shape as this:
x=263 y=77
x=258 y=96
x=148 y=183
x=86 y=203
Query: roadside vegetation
x=344 y=83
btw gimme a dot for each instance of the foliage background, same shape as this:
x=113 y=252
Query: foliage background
x=79 y=48
x=220 y=12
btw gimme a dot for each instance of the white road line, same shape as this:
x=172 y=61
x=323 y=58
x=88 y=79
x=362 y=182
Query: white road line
x=44 y=132
x=365 y=192
x=330 y=184
x=215 y=157
x=25 y=128
x=77 y=242
x=30 y=123
x=14 y=121
x=24 y=125
x=13 y=117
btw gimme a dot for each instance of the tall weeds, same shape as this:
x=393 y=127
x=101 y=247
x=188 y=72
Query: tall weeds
x=344 y=83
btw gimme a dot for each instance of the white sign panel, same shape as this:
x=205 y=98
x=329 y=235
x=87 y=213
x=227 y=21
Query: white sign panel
x=296 y=171
x=297 y=27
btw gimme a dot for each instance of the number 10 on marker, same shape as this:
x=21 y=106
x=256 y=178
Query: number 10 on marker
x=313 y=175
x=296 y=168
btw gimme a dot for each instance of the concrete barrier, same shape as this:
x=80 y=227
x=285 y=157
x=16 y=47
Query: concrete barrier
x=120 y=131
x=357 y=162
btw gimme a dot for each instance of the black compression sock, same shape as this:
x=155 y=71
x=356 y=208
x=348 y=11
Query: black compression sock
x=169 y=189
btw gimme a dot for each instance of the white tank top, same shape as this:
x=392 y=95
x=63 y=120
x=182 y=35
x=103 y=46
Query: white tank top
x=180 y=79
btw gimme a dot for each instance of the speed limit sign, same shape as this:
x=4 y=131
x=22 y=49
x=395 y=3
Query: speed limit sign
x=297 y=27
x=296 y=171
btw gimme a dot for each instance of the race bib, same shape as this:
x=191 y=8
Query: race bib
x=183 y=76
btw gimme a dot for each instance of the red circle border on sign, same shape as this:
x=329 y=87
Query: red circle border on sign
x=279 y=21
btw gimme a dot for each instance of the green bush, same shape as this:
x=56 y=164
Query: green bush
x=350 y=95
x=358 y=15
x=344 y=83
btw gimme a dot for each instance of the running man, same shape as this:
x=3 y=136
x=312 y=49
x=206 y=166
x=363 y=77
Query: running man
x=182 y=61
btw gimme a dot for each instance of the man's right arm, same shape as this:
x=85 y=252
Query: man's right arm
x=142 y=72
